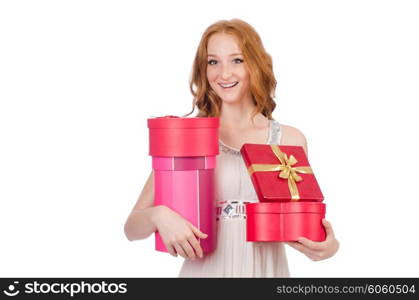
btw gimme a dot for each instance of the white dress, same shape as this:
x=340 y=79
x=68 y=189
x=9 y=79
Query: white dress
x=234 y=256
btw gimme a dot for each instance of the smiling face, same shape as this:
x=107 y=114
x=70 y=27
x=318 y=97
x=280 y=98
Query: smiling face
x=226 y=70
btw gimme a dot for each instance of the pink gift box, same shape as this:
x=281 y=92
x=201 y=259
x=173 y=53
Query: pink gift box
x=188 y=191
x=184 y=157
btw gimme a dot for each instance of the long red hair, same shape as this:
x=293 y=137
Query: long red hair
x=256 y=59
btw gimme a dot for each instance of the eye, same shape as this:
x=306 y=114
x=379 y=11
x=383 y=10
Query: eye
x=238 y=60
x=212 y=62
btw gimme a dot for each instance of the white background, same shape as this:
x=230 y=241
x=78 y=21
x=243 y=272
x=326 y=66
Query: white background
x=78 y=79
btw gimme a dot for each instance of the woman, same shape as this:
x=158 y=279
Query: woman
x=232 y=79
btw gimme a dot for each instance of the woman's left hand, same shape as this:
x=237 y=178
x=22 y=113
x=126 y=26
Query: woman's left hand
x=318 y=250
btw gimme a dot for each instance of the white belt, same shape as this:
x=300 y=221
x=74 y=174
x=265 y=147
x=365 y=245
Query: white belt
x=231 y=209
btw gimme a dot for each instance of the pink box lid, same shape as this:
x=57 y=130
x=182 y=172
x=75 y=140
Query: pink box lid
x=175 y=136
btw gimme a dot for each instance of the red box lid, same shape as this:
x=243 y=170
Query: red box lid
x=285 y=207
x=268 y=185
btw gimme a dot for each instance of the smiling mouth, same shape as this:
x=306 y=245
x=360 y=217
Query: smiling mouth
x=229 y=85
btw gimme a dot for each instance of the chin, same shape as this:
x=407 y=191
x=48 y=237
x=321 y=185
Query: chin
x=231 y=98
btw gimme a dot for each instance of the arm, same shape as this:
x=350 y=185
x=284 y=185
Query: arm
x=313 y=250
x=178 y=235
x=141 y=222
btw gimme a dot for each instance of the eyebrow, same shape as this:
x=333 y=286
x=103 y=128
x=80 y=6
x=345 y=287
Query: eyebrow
x=234 y=54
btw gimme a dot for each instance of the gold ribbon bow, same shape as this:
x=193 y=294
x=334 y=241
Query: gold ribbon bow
x=286 y=170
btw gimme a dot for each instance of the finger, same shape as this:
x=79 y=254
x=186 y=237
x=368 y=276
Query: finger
x=303 y=249
x=171 y=250
x=313 y=257
x=196 y=246
x=198 y=232
x=295 y=245
x=188 y=250
x=328 y=228
x=179 y=250
x=311 y=244
x=292 y=244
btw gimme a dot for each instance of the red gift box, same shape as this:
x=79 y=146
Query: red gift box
x=285 y=221
x=280 y=173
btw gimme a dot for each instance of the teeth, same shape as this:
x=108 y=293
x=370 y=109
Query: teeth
x=228 y=85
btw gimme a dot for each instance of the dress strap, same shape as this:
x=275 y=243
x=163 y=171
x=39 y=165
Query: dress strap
x=275 y=133
x=273 y=138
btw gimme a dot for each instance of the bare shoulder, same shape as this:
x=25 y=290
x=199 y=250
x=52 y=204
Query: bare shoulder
x=293 y=136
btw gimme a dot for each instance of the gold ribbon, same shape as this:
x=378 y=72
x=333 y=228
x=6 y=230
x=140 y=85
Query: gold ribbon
x=286 y=170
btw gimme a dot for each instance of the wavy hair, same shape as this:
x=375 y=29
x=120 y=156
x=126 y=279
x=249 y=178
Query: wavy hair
x=257 y=61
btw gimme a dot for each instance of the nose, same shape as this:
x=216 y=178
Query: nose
x=226 y=72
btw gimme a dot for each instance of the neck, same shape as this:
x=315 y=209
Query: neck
x=239 y=115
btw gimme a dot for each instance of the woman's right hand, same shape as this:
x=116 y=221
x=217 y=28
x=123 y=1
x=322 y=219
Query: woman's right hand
x=178 y=235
